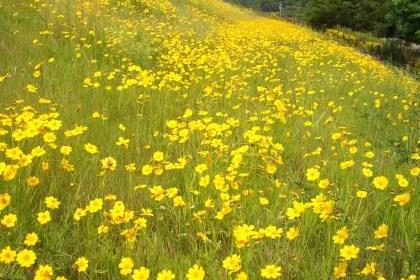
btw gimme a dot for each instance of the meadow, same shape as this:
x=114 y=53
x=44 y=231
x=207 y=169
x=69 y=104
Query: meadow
x=192 y=139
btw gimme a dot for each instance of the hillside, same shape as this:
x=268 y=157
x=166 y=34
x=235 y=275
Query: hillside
x=185 y=139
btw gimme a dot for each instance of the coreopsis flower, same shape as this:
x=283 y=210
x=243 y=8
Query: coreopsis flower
x=142 y=273
x=52 y=202
x=158 y=156
x=165 y=275
x=361 y=194
x=349 y=252
x=381 y=231
x=312 y=174
x=195 y=272
x=402 y=199
x=44 y=272
x=341 y=236
x=126 y=266
x=232 y=263
x=7 y=255
x=109 y=163
x=81 y=264
x=90 y=148
x=380 y=182
x=31 y=239
x=5 y=200
x=9 y=220
x=292 y=233
x=271 y=271
x=26 y=258
x=43 y=217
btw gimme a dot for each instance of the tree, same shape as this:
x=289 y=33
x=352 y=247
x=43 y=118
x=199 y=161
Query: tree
x=406 y=16
x=328 y=13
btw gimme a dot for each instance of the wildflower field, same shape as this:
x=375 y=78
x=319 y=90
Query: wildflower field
x=191 y=139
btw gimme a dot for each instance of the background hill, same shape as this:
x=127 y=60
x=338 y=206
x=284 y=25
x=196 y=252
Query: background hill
x=144 y=137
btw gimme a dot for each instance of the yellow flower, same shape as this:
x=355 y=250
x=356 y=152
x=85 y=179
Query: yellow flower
x=123 y=142
x=415 y=171
x=26 y=258
x=361 y=194
x=241 y=276
x=341 y=236
x=9 y=172
x=370 y=154
x=81 y=264
x=45 y=166
x=131 y=167
x=109 y=163
x=264 y=201
x=95 y=205
x=367 y=172
x=196 y=273
x=380 y=182
x=7 y=255
x=232 y=263
x=102 y=229
x=296 y=211
x=142 y=273
x=375 y=248
x=292 y=233
x=271 y=168
x=381 y=231
x=79 y=213
x=165 y=275
x=200 y=168
x=273 y=232
x=9 y=220
x=347 y=164
x=31 y=88
x=204 y=181
x=402 y=199
x=158 y=156
x=36 y=74
x=147 y=169
x=126 y=266
x=271 y=271
x=65 y=150
x=90 y=148
x=52 y=202
x=122 y=127
x=44 y=272
x=349 y=252
x=32 y=181
x=44 y=217
x=340 y=271
x=178 y=201
x=31 y=239
x=312 y=174
x=369 y=269
x=5 y=199
x=49 y=137
x=402 y=181
x=323 y=184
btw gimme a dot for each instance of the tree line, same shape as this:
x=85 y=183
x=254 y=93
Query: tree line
x=385 y=18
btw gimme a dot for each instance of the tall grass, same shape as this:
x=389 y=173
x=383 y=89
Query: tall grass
x=173 y=133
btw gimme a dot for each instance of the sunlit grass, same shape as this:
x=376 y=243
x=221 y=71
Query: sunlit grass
x=190 y=139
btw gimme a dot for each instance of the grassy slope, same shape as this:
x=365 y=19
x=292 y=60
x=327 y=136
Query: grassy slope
x=250 y=82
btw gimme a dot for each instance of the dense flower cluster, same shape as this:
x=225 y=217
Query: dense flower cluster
x=194 y=140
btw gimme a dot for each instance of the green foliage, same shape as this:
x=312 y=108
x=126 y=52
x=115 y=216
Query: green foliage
x=383 y=17
x=406 y=15
x=263 y=5
x=364 y=15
